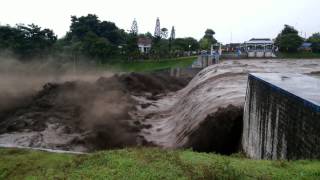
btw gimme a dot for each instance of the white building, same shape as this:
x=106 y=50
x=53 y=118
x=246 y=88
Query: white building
x=144 y=44
x=259 y=48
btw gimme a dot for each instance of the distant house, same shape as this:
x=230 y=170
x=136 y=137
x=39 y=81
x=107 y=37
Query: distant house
x=144 y=44
x=232 y=47
x=306 y=47
x=259 y=47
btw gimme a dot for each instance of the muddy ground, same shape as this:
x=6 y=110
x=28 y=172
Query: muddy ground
x=109 y=111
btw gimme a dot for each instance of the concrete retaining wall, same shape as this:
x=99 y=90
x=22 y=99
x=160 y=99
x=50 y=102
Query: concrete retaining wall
x=282 y=117
x=205 y=61
x=260 y=54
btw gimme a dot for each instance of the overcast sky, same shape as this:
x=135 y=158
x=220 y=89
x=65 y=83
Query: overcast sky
x=239 y=19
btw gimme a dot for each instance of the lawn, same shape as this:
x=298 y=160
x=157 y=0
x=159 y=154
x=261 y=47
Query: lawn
x=147 y=163
x=149 y=65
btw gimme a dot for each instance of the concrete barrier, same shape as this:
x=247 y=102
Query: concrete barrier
x=204 y=61
x=259 y=54
x=268 y=54
x=282 y=117
x=251 y=54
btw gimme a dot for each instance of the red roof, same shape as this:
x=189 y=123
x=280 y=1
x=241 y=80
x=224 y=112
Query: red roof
x=144 y=41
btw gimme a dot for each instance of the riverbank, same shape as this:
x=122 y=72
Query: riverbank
x=299 y=55
x=147 y=163
x=149 y=65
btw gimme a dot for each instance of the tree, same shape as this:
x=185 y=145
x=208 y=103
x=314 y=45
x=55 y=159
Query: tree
x=27 y=41
x=131 y=47
x=315 y=40
x=289 y=40
x=110 y=31
x=209 y=33
x=39 y=41
x=160 y=48
x=90 y=23
x=157 y=30
x=95 y=46
x=148 y=34
x=172 y=38
x=81 y=26
x=134 y=27
x=88 y=32
x=173 y=33
x=289 y=30
x=208 y=39
x=164 y=33
x=205 y=44
x=182 y=44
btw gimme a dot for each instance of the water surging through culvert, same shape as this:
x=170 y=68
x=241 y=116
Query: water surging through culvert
x=220 y=132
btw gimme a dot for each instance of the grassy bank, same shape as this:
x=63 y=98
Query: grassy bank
x=299 y=55
x=146 y=163
x=149 y=65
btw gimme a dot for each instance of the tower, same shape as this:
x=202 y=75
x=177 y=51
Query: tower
x=134 y=27
x=157 y=31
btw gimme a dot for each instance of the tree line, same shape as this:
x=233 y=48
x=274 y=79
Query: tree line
x=89 y=37
x=26 y=41
x=288 y=40
x=92 y=38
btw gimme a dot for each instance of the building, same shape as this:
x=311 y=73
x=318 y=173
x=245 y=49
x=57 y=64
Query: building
x=144 y=44
x=259 y=48
x=306 y=47
x=232 y=47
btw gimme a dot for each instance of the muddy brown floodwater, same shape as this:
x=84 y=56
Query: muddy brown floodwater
x=178 y=119
x=115 y=111
x=84 y=114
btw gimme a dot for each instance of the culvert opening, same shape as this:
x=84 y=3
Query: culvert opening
x=220 y=132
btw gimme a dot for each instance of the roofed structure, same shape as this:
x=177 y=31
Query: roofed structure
x=259 y=41
x=259 y=47
x=144 y=44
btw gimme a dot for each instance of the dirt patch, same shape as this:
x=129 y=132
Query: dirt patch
x=220 y=132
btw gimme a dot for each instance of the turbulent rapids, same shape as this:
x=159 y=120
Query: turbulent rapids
x=138 y=109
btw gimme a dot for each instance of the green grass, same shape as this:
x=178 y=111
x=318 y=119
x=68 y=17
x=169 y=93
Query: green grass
x=149 y=65
x=147 y=163
x=299 y=55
